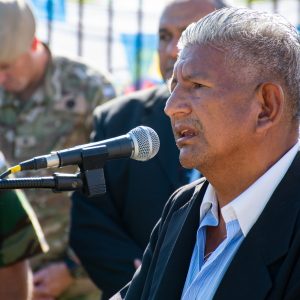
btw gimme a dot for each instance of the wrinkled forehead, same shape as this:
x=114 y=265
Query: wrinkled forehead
x=204 y=60
x=198 y=54
x=206 y=63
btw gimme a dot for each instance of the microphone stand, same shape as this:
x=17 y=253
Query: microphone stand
x=90 y=180
x=58 y=182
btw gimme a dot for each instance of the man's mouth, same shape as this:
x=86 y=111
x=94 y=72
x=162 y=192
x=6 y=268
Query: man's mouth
x=186 y=133
x=183 y=134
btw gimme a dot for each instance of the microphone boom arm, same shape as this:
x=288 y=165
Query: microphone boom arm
x=59 y=182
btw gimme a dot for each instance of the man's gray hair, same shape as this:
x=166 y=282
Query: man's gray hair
x=265 y=44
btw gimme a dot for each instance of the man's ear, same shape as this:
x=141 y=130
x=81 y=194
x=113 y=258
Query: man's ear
x=272 y=101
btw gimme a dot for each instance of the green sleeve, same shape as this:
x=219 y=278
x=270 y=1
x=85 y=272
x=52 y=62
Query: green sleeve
x=20 y=233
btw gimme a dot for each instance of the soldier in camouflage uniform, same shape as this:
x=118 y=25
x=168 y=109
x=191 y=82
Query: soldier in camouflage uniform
x=46 y=104
x=21 y=237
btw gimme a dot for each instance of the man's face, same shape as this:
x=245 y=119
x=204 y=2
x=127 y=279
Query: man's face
x=16 y=76
x=212 y=109
x=173 y=21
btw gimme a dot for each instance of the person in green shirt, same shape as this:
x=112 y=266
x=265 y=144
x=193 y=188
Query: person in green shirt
x=21 y=237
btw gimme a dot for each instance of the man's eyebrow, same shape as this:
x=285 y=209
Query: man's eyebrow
x=195 y=76
x=165 y=29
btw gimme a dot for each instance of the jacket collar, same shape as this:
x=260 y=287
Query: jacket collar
x=176 y=251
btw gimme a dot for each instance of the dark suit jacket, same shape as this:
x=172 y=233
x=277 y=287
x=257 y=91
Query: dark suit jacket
x=109 y=232
x=266 y=266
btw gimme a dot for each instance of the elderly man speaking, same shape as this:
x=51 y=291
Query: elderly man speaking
x=234 y=109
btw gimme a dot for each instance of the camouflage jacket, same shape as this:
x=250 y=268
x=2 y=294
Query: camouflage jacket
x=21 y=236
x=58 y=115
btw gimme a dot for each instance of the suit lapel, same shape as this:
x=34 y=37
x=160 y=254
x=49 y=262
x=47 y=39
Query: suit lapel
x=176 y=250
x=248 y=275
x=168 y=153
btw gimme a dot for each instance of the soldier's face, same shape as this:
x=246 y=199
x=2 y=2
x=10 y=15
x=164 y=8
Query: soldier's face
x=17 y=75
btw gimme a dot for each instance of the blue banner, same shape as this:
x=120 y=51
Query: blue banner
x=149 y=70
x=52 y=10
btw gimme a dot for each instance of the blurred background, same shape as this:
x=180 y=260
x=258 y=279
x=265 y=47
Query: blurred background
x=119 y=36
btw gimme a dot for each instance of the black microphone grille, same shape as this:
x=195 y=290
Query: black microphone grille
x=146 y=143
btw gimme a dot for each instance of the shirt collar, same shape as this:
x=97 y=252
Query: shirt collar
x=209 y=202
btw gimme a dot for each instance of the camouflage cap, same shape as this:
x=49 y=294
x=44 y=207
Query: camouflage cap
x=17 y=29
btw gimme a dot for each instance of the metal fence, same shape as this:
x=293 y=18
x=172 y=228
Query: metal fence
x=120 y=35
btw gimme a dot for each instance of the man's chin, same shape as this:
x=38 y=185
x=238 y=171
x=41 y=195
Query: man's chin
x=187 y=162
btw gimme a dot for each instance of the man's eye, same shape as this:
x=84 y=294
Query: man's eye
x=197 y=85
x=164 y=37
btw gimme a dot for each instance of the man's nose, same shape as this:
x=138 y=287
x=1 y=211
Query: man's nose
x=177 y=105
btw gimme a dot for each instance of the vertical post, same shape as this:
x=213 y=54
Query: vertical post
x=49 y=20
x=110 y=35
x=249 y=3
x=275 y=6
x=139 y=47
x=80 y=27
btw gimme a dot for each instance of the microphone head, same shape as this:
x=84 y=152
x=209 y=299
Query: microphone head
x=146 y=143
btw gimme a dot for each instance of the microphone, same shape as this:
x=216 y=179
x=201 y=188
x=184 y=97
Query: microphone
x=141 y=143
